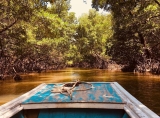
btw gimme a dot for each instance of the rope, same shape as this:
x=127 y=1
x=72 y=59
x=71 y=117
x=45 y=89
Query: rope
x=68 y=90
x=86 y=88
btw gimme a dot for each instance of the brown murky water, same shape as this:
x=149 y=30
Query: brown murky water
x=144 y=87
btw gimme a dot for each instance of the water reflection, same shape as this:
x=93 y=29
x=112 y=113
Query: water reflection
x=144 y=87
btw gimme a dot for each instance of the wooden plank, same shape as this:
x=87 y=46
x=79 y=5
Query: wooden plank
x=6 y=108
x=98 y=93
x=127 y=109
x=141 y=110
x=73 y=105
x=84 y=81
x=12 y=112
x=119 y=93
x=130 y=112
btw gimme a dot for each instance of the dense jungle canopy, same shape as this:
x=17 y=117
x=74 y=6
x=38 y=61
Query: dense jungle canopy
x=34 y=37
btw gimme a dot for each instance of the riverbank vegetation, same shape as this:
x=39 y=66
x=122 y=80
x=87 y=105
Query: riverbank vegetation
x=35 y=36
x=136 y=38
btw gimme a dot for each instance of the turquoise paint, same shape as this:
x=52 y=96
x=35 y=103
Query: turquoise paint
x=81 y=113
x=78 y=113
x=125 y=116
x=18 y=115
x=101 y=92
x=113 y=93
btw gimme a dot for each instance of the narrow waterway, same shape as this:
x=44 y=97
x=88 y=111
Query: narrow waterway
x=145 y=88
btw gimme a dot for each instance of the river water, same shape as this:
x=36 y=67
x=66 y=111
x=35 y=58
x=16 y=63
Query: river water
x=146 y=88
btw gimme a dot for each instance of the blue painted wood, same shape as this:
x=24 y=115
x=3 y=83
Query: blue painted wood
x=18 y=115
x=126 y=116
x=81 y=113
x=101 y=92
x=78 y=113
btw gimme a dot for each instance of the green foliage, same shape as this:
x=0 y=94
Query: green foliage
x=136 y=28
x=93 y=31
x=34 y=36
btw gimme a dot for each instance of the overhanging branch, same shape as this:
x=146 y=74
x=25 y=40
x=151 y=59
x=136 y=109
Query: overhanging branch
x=9 y=26
x=157 y=2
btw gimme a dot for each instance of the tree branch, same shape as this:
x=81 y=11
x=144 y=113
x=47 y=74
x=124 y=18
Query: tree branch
x=9 y=26
x=157 y=2
x=154 y=17
x=157 y=43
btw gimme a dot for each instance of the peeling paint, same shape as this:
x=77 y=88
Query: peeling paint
x=101 y=92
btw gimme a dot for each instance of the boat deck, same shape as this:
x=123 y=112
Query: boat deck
x=98 y=93
x=49 y=100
